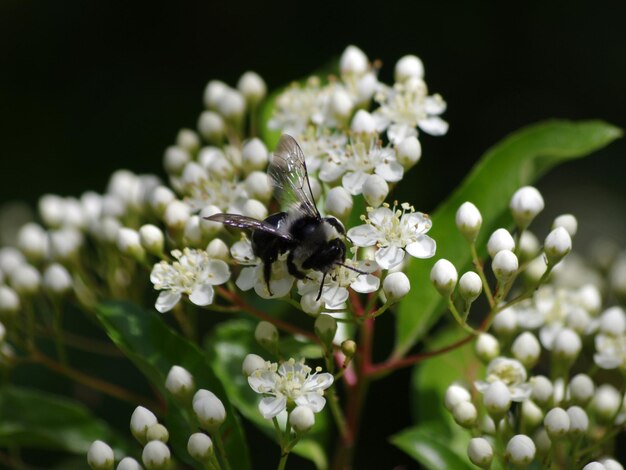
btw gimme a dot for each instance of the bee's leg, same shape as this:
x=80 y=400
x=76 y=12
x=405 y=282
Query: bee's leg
x=319 y=294
x=292 y=268
x=267 y=273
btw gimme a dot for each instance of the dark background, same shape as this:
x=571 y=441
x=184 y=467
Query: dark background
x=87 y=87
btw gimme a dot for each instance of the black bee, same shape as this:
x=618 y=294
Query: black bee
x=312 y=242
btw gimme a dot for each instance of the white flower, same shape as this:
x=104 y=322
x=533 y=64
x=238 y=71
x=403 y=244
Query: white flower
x=292 y=383
x=610 y=351
x=407 y=106
x=394 y=231
x=193 y=273
x=300 y=106
x=510 y=372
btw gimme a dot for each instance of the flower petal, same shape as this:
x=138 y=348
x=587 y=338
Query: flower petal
x=433 y=125
x=365 y=283
x=219 y=272
x=390 y=171
x=313 y=400
x=423 y=247
x=363 y=235
x=166 y=301
x=380 y=215
x=389 y=256
x=242 y=252
x=202 y=294
x=353 y=182
x=334 y=296
x=398 y=132
x=247 y=278
x=271 y=406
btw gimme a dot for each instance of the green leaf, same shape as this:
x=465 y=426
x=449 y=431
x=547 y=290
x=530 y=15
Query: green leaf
x=154 y=348
x=34 y=418
x=430 y=447
x=228 y=346
x=520 y=159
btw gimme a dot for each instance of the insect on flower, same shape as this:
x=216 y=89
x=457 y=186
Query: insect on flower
x=312 y=242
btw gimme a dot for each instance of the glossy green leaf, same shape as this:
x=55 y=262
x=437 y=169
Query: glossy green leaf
x=520 y=159
x=228 y=346
x=154 y=348
x=34 y=418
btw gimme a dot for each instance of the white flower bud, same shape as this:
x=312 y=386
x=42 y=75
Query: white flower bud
x=209 y=409
x=581 y=389
x=542 y=389
x=340 y=104
x=152 y=239
x=251 y=363
x=208 y=227
x=9 y=301
x=176 y=214
x=578 y=420
x=487 y=425
x=409 y=66
x=568 y=222
x=51 y=210
x=160 y=198
x=505 y=322
x=480 y=452
x=526 y=349
x=188 y=140
x=32 y=239
x=556 y=422
x=353 y=61
x=468 y=220
x=504 y=265
x=594 y=466
x=611 y=464
x=456 y=394
x=10 y=259
x=409 y=152
x=590 y=299
x=211 y=126
x=528 y=246
x=606 y=402
x=396 y=285
x=567 y=344
x=141 y=419
x=56 y=279
x=156 y=456
x=179 y=382
x=487 y=347
x=542 y=441
x=255 y=209
x=193 y=174
x=217 y=249
x=266 y=334
x=443 y=275
x=302 y=419
x=470 y=286
x=66 y=242
x=375 y=190
x=497 y=399
x=465 y=414
x=325 y=328
x=231 y=105
x=252 y=87
x=500 y=240
x=175 y=159
x=339 y=202
x=254 y=155
x=520 y=450
x=100 y=456
x=25 y=279
x=363 y=123
x=192 y=233
x=531 y=414
x=311 y=305
x=535 y=269
x=129 y=243
x=128 y=463
x=526 y=203
x=200 y=447
x=157 y=432
x=558 y=243
x=366 y=87
x=258 y=186
x=613 y=321
x=213 y=93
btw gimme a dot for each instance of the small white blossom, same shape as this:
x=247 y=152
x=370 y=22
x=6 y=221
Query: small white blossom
x=156 y=455
x=193 y=274
x=500 y=240
x=208 y=408
x=504 y=265
x=200 y=446
x=291 y=382
x=526 y=349
x=568 y=222
x=302 y=418
x=251 y=363
x=606 y=401
x=338 y=203
x=487 y=347
x=57 y=279
x=465 y=414
x=578 y=420
x=468 y=220
x=496 y=398
x=211 y=126
x=252 y=87
x=128 y=463
x=470 y=286
x=510 y=372
x=394 y=231
x=542 y=389
x=556 y=422
x=140 y=421
x=375 y=190
x=520 y=450
x=396 y=285
x=456 y=394
x=443 y=275
x=409 y=66
x=581 y=389
x=254 y=155
x=558 y=243
x=179 y=381
x=525 y=204
x=408 y=152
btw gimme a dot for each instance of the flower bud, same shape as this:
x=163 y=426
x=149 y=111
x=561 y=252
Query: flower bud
x=209 y=409
x=100 y=456
x=443 y=275
x=160 y=198
x=217 y=249
x=611 y=464
x=128 y=463
x=176 y=215
x=266 y=334
x=33 y=241
x=252 y=87
x=10 y=259
x=156 y=456
x=339 y=202
x=129 y=243
x=152 y=239
x=353 y=61
x=613 y=321
x=251 y=363
x=409 y=66
x=504 y=265
x=470 y=286
x=581 y=389
x=558 y=243
x=487 y=347
x=375 y=190
x=497 y=399
x=25 y=279
x=396 y=286
x=567 y=345
x=606 y=402
x=348 y=348
x=302 y=419
x=66 y=242
x=594 y=466
x=325 y=327
x=465 y=414
x=480 y=452
x=568 y=222
x=556 y=423
x=468 y=221
x=408 y=152
x=211 y=126
x=141 y=419
x=208 y=227
x=456 y=394
x=175 y=159
x=526 y=349
x=578 y=419
x=157 y=432
x=526 y=203
x=258 y=186
x=531 y=414
x=188 y=140
x=520 y=450
x=179 y=382
x=542 y=389
x=9 y=301
x=56 y=279
x=340 y=105
x=500 y=240
x=254 y=209
x=363 y=123
x=231 y=105
x=200 y=447
x=311 y=305
x=505 y=322
x=528 y=246
x=254 y=155
x=213 y=93
x=51 y=210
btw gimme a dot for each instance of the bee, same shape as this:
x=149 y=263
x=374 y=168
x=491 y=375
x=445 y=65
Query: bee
x=312 y=242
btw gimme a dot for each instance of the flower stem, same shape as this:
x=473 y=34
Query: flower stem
x=479 y=267
x=221 y=449
x=283 y=460
x=459 y=320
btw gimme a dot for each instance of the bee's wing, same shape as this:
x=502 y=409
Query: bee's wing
x=291 y=179
x=243 y=222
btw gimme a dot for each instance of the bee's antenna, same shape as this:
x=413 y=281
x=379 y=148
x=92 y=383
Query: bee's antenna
x=352 y=269
x=319 y=294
